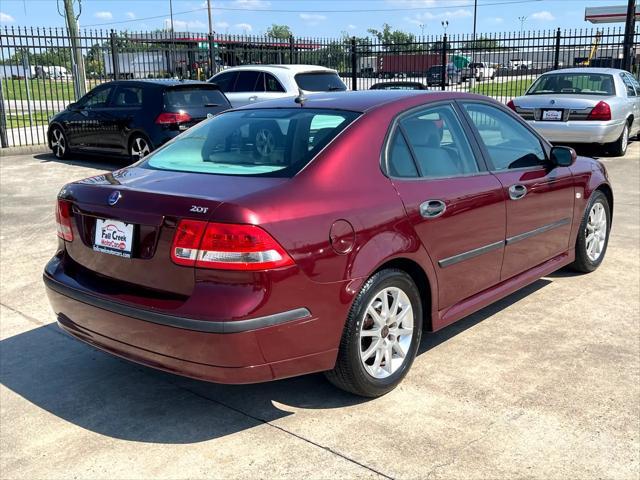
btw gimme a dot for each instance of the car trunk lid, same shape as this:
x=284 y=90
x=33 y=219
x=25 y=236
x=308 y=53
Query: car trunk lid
x=571 y=107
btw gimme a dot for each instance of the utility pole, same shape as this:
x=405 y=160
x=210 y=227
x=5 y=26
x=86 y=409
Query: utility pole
x=172 y=54
x=76 y=49
x=629 y=28
x=475 y=13
x=210 y=19
x=212 y=53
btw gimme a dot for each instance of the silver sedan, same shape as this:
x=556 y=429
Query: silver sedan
x=583 y=105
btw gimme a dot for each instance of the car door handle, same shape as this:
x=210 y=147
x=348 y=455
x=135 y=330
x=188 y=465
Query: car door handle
x=432 y=208
x=253 y=98
x=516 y=192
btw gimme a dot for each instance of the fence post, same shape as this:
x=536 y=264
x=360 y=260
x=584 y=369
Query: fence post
x=444 y=62
x=213 y=68
x=354 y=65
x=629 y=29
x=4 y=142
x=556 y=58
x=115 y=66
x=291 y=47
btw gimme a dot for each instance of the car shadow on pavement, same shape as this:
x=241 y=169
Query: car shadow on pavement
x=95 y=161
x=119 y=399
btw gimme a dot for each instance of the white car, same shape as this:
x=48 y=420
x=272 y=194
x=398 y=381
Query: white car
x=257 y=83
x=583 y=105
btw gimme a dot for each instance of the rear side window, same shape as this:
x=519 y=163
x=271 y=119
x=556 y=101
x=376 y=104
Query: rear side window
x=194 y=97
x=272 y=84
x=631 y=91
x=248 y=82
x=320 y=82
x=400 y=160
x=262 y=142
x=128 y=97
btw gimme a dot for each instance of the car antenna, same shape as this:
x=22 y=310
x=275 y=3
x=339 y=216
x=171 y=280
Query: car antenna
x=300 y=98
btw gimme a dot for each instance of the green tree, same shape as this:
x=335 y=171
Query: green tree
x=482 y=43
x=395 y=40
x=279 y=31
x=436 y=47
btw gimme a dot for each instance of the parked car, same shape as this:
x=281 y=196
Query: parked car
x=380 y=214
x=132 y=117
x=520 y=64
x=583 y=105
x=398 y=86
x=257 y=83
x=478 y=70
x=452 y=75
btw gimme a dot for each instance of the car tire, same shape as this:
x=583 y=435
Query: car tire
x=480 y=77
x=59 y=144
x=619 y=147
x=139 y=147
x=593 y=236
x=266 y=139
x=370 y=335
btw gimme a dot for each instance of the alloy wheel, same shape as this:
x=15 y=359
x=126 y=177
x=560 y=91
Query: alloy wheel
x=140 y=148
x=58 y=143
x=386 y=332
x=265 y=142
x=625 y=139
x=596 y=231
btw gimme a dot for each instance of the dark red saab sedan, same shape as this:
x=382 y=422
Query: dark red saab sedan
x=320 y=235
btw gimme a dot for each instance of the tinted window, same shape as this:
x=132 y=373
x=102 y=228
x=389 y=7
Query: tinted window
x=194 y=97
x=248 y=82
x=225 y=81
x=272 y=84
x=128 y=96
x=263 y=142
x=320 y=82
x=400 y=160
x=631 y=91
x=509 y=143
x=96 y=98
x=568 y=83
x=438 y=142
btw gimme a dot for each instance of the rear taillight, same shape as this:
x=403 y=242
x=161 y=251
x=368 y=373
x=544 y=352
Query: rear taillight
x=168 y=118
x=227 y=247
x=511 y=105
x=63 y=220
x=602 y=111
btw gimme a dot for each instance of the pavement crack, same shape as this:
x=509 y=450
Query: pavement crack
x=284 y=430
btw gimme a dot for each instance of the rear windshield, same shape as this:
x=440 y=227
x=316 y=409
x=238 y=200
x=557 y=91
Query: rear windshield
x=437 y=69
x=263 y=142
x=320 y=82
x=567 y=83
x=194 y=97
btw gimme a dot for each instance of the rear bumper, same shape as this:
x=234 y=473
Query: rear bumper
x=579 y=131
x=241 y=351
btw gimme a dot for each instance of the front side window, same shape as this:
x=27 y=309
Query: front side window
x=248 y=82
x=225 y=81
x=572 y=83
x=320 y=82
x=509 y=143
x=438 y=143
x=128 y=97
x=97 y=98
x=261 y=142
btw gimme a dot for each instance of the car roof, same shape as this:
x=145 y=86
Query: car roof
x=587 y=70
x=163 y=82
x=361 y=100
x=280 y=68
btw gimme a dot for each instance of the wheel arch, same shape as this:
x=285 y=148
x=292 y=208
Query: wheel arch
x=140 y=133
x=608 y=192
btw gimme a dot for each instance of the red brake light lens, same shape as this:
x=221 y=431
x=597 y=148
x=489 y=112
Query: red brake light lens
x=511 y=105
x=169 y=118
x=602 y=111
x=227 y=247
x=63 y=220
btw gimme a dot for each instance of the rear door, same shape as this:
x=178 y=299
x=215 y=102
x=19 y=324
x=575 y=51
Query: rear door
x=633 y=97
x=456 y=207
x=125 y=106
x=540 y=197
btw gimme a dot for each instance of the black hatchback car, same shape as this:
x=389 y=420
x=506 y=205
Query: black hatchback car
x=133 y=117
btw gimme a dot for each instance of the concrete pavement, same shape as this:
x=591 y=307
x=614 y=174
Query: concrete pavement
x=544 y=384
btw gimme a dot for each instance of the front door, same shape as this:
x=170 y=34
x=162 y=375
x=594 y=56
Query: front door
x=88 y=121
x=456 y=207
x=539 y=196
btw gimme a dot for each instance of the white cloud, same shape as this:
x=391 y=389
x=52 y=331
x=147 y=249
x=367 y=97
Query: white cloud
x=246 y=27
x=6 y=18
x=496 y=20
x=312 y=18
x=351 y=26
x=221 y=24
x=423 y=18
x=103 y=15
x=183 y=24
x=251 y=4
x=130 y=15
x=543 y=16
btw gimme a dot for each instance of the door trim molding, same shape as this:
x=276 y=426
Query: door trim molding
x=537 y=231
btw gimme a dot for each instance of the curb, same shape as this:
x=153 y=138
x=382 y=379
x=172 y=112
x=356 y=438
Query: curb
x=26 y=149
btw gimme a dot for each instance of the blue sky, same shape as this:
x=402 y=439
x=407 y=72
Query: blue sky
x=310 y=17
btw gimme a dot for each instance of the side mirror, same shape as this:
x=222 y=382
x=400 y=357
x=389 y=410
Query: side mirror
x=563 y=156
x=73 y=107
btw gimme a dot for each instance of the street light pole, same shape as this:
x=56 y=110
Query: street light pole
x=522 y=20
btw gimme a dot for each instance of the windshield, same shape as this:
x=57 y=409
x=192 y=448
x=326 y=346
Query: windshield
x=263 y=142
x=567 y=83
x=320 y=82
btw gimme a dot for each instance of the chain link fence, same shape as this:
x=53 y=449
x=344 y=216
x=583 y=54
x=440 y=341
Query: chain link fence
x=42 y=70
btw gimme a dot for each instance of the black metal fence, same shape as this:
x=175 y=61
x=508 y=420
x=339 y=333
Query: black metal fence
x=43 y=69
